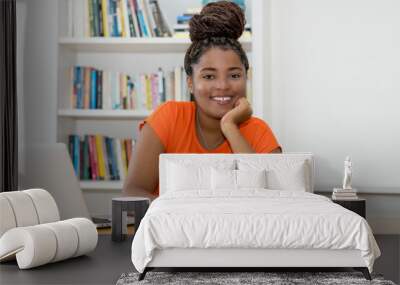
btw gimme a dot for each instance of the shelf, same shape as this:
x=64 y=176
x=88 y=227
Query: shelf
x=131 y=45
x=101 y=185
x=103 y=114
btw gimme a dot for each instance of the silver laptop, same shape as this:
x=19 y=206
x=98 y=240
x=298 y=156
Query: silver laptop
x=49 y=166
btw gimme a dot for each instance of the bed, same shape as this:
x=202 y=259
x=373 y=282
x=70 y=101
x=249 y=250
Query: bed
x=247 y=211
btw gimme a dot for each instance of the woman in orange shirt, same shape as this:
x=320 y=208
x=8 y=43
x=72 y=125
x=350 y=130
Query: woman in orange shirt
x=219 y=120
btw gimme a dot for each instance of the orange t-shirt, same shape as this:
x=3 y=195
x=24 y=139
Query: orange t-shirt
x=175 y=125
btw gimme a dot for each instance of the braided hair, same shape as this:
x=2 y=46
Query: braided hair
x=219 y=24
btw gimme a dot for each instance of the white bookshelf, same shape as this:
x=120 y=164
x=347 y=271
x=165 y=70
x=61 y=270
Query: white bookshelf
x=103 y=114
x=135 y=56
x=132 y=45
x=101 y=185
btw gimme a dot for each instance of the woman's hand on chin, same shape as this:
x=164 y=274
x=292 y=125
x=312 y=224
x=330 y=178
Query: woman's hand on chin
x=240 y=113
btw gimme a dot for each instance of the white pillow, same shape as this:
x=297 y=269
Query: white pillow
x=223 y=179
x=236 y=179
x=291 y=178
x=181 y=177
x=282 y=174
x=186 y=174
x=251 y=178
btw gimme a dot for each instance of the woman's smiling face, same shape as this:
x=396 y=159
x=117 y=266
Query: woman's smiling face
x=218 y=81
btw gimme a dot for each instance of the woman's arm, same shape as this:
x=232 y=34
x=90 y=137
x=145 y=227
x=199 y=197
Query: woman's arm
x=236 y=140
x=142 y=178
x=230 y=126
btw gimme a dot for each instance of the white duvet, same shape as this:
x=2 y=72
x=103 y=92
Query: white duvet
x=252 y=218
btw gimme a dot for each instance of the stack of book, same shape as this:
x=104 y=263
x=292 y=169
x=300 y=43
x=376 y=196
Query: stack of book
x=181 y=28
x=98 y=157
x=344 y=194
x=116 y=18
x=92 y=88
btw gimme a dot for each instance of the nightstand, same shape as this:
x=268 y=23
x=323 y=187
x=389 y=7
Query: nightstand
x=357 y=206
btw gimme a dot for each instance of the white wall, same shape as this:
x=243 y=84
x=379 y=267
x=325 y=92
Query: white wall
x=335 y=85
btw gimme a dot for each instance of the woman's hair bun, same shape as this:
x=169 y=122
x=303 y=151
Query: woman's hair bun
x=217 y=19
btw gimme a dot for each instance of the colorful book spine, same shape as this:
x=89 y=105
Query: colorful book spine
x=107 y=175
x=99 y=91
x=114 y=18
x=154 y=91
x=125 y=18
x=124 y=168
x=136 y=28
x=80 y=87
x=86 y=88
x=104 y=10
x=93 y=93
x=100 y=157
x=91 y=18
x=143 y=25
x=114 y=159
x=109 y=158
x=138 y=20
x=96 y=27
x=93 y=158
x=77 y=155
x=118 y=152
x=100 y=19
x=120 y=27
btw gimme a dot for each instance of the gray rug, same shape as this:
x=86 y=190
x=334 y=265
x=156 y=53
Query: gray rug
x=273 y=278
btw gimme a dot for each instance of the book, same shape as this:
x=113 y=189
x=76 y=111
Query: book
x=124 y=169
x=115 y=160
x=139 y=24
x=86 y=162
x=106 y=94
x=86 y=87
x=142 y=19
x=100 y=157
x=100 y=18
x=340 y=190
x=118 y=152
x=99 y=91
x=114 y=18
x=151 y=23
x=93 y=158
x=125 y=19
x=119 y=22
x=130 y=19
x=108 y=147
x=159 y=19
x=177 y=84
x=105 y=10
x=79 y=87
x=93 y=88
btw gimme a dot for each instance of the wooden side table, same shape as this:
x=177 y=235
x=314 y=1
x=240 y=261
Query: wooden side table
x=120 y=207
x=357 y=206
